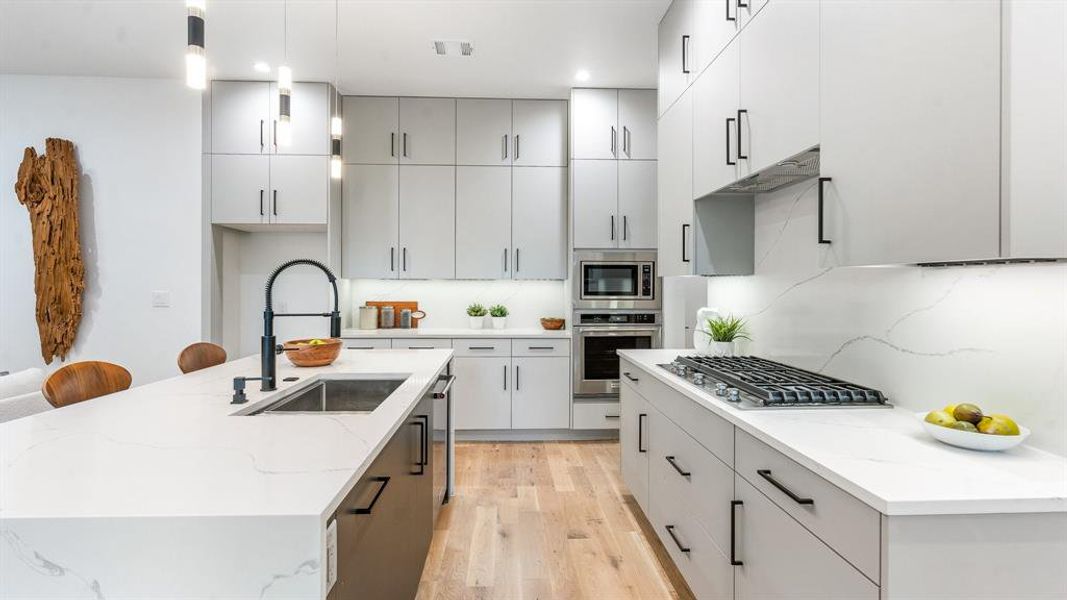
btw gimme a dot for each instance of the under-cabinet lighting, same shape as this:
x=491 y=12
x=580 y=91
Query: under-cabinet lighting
x=195 y=59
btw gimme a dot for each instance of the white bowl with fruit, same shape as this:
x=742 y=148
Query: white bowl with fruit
x=965 y=426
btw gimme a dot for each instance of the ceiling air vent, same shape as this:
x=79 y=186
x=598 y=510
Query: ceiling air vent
x=453 y=48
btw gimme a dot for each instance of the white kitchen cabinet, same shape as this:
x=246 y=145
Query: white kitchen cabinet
x=539 y=129
x=674 y=183
x=483 y=132
x=541 y=398
x=299 y=189
x=427 y=131
x=636 y=216
x=714 y=25
x=371 y=212
x=483 y=222
x=595 y=203
x=427 y=222
x=371 y=128
x=677 y=66
x=633 y=442
x=240 y=184
x=309 y=112
x=637 y=125
x=910 y=131
x=481 y=395
x=240 y=117
x=538 y=222
x=594 y=122
x=716 y=98
x=779 y=84
x=784 y=560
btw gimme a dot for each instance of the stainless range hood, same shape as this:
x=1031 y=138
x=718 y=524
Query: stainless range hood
x=786 y=172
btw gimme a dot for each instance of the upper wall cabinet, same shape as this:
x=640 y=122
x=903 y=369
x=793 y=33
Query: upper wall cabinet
x=244 y=118
x=613 y=124
x=675 y=188
x=259 y=190
x=528 y=133
x=910 y=131
x=386 y=130
x=370 y=130
x=428 y=131
x=676 y=65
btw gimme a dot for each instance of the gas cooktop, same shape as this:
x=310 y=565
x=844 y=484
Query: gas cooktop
x=753 y=382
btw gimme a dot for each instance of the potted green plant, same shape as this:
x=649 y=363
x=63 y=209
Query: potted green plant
x=477 y=313
x=499 y=312
x=724 y=332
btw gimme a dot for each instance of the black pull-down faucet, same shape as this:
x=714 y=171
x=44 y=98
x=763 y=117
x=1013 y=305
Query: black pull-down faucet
x=269 y=349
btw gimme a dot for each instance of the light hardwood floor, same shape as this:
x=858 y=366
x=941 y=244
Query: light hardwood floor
x=544 y=520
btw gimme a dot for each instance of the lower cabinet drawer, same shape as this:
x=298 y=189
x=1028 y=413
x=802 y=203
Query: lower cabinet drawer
x=367 y=343
x=704 y=564
x=849 y=526
x=482 y=347
x=595 y=415
x=538 y=347
x=421 y=343
x=712 y=431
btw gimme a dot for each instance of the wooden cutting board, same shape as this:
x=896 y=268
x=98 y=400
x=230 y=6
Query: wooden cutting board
x=397 y=305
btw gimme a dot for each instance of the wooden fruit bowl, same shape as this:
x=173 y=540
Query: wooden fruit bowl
x=553 y=324
x=301 y=354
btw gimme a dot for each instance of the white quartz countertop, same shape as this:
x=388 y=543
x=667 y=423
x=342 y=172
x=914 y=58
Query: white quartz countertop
x=884 y=458
x=426 y=332
x=175 y=448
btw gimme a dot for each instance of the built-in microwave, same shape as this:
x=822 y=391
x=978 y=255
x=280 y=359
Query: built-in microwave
x=616 y=280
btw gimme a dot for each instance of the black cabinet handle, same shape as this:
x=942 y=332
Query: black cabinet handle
x=504 y=147
x=624 y=228
x=611 y=416
x=766 y=474
x=392 y=144
x=517 y=259
x=392 y=258
x=641 y=432
x=685 y=54
x=366 y=511
x=505 y=260
x=728 y=17
x=670 y=530
x=685 y=226
x=421 y=462
x=405 y=144
x=261 y=135
x=359 y=347
x=517 y=385
x=733 y=532
x=420 y=347
x=631 y=377
x=261 y=203
x=505 y=377
x=275 y=208
x=741 y=4
x=822 y=237
x=404 y=258
x=740 y=111
x=483 y=347
x=612 y=226
x=613 y=140
x=680 y=470
x=729 y=122
x=275 y=134
x=540 y=348
x=516 y=147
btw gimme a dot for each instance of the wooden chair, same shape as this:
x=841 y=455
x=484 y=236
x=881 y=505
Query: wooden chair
x=200 y=355
x=85 y=380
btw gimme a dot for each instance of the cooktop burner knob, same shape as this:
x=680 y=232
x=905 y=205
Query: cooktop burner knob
x=698 y=379
x=720 y=389
x=733 y=395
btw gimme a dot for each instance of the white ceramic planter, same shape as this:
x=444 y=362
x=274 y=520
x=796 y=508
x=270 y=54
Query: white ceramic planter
x=500 y=322
x=722 y=348
x=477 y=322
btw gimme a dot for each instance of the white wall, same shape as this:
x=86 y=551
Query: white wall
x=138 y=147
x=445 y=302
x=995 y=336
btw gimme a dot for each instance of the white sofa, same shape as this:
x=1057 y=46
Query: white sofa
x=20 y=394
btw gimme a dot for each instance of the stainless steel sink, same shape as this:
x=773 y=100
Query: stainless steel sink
x=335 y=396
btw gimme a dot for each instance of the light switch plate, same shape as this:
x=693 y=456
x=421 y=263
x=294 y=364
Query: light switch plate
x=161 y=299
x=331 y=555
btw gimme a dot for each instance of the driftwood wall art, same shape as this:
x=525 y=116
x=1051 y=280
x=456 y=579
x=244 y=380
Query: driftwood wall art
x=48 y=187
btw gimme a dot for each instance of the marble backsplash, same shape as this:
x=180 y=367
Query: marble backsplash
x=992 y=335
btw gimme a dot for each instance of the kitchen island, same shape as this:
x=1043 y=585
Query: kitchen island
x=833 y=502
x=165 y=489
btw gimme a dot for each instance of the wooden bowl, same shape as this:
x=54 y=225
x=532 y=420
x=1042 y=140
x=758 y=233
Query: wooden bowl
x=302 y=354
x=553 y=324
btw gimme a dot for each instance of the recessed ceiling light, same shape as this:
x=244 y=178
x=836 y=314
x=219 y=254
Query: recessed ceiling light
x=581 y=75
x=261 y=67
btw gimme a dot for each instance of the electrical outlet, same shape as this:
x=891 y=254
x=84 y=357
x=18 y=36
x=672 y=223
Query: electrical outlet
x=161 y=299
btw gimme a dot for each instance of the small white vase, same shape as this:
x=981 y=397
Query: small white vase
x=722 y=348
x=477 y=322
x=500 y=322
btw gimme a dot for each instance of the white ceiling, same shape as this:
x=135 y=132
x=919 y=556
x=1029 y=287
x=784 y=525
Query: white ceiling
x=522 y=48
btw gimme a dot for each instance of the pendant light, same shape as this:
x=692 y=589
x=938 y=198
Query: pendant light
x=285 y=86
x=336 y=126
x=195 y=59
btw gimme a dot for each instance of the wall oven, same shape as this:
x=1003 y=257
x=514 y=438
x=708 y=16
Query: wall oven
x=615 y=280
x=598 y=335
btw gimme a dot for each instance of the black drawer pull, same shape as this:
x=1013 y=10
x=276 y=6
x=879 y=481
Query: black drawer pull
x=822 y=235
x=611 y=416
x=421 y=422
x=366 y=511
x=733 y=532
x=680 y=470
x=359 y=347
x=631 y=377
x=670 y=530
x=540 y=347
x=421 y=348
x=766 y=474
x=483 y=347
x=641 y=433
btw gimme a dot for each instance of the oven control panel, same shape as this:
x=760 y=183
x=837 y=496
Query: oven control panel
x=646 y=280
x=618 y=318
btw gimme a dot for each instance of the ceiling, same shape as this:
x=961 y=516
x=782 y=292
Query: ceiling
x=522 y=48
